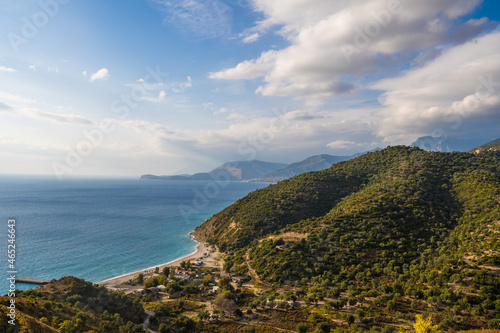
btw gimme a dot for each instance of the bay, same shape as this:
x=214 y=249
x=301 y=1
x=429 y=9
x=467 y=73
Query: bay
x=99 y=228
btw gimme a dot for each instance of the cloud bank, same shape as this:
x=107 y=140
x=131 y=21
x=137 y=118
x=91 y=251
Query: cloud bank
x=457 y=93
x=335 y=45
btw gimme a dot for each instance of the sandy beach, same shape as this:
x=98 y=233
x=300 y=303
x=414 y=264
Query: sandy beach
x=119 y=282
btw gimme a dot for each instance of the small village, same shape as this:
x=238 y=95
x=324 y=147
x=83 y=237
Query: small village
x=202 y=290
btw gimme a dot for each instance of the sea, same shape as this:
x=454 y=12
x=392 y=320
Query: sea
x=99 y=228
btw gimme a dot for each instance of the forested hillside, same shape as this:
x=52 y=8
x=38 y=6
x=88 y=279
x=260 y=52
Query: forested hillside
x=402 y=229
x=393 y=240
x=72 y=305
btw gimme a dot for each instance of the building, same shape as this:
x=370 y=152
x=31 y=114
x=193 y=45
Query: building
x=237 y=279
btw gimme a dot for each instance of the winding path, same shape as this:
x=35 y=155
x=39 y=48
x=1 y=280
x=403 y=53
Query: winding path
x=146 y=321
x=251 y=271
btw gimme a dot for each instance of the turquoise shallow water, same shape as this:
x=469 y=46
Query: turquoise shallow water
x=100 y=228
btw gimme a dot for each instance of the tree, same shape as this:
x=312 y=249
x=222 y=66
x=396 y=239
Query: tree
x=391 y=305
x=207 y=279
x=225 y=283
x=163 y=328
x=140 y=278
x=238 y=312
x=360 y=313
x=322 y=328
x=425 y=325
x=302 y=328
x=203 y=315
x=166 y=271
x=73 y=325
x=223 y=303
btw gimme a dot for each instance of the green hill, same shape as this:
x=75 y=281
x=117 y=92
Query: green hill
x=495 y=144
x=392 y=239
x=408 y=229
x=72 y=305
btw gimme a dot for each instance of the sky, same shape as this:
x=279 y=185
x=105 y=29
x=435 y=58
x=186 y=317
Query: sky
x=124 y=88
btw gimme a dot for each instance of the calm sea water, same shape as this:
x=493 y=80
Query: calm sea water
x=101 y=228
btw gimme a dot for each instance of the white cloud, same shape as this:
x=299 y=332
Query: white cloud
x=34 y=113
x=52 y=69
x=21 y=147
x=249 y=69
x=246 y=136
x=7 y=69
x=335 y=44
x=236 y=117
x=456 y=94
x=32 y=67
x=84 y=73
x=209 y=18
x=15 y=99
x=180 y=87
x=188 y=83
x=220 y=111
x=342 y=144
x=162 y=95
x=102 y=74
x=251 y=39
x=157 y=92
x=302 y=115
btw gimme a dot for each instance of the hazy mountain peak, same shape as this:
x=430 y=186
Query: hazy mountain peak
x=444 y=143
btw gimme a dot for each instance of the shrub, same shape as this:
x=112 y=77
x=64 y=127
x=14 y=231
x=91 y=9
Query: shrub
x=322 y=328
x=302 y=328
x=494 y=324
x=238 y=313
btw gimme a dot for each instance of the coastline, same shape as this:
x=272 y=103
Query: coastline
x=120 y=281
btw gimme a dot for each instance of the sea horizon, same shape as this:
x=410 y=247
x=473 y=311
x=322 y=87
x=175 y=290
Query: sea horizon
x=98 y=228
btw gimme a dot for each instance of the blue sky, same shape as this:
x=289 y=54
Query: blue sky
x=155 y=86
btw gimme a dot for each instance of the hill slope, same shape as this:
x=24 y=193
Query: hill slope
x=313 y=163
x=495 y=144
x=408 y=228
x=72 y=305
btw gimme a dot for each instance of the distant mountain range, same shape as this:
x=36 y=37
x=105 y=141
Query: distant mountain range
x=260 y=171
x=232 y=171
x=313 y=163
x=443 y=144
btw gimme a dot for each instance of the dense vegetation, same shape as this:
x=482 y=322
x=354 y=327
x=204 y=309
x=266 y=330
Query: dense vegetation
x=393 y=232
x=393 y=240
x=72 y=305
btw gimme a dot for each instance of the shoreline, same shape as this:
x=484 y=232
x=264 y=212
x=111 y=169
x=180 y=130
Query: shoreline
x=117 y=281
